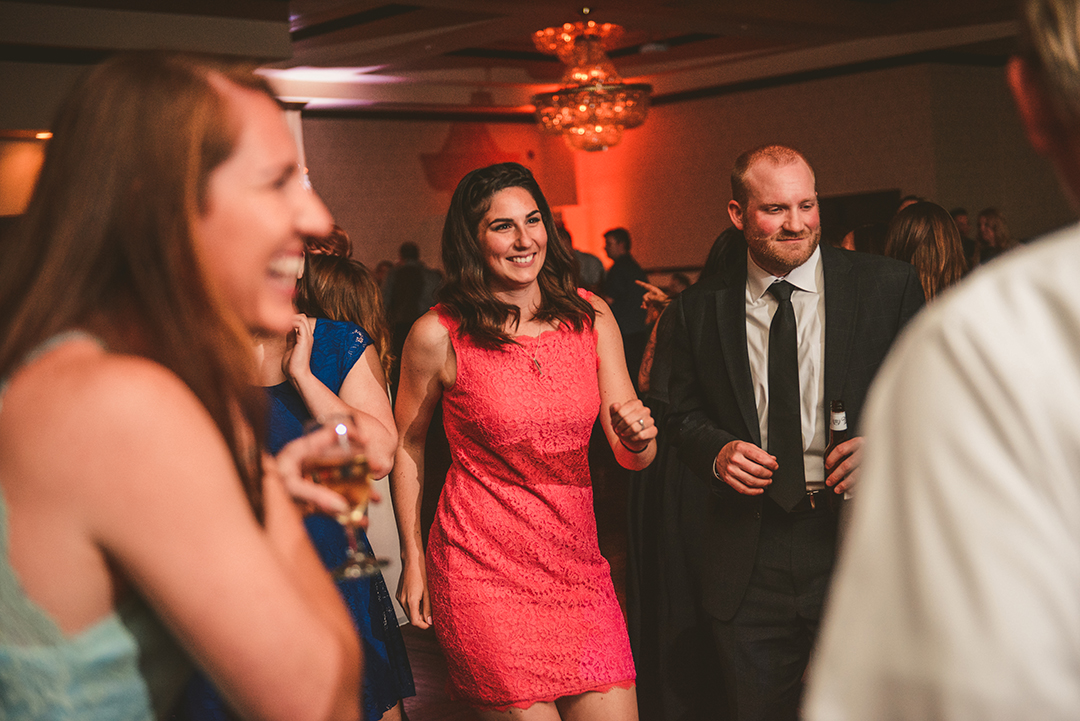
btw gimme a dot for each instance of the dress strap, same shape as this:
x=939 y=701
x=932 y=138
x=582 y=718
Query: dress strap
x=44 y=347
x=448 y=321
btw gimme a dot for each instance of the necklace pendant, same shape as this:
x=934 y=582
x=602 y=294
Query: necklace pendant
x=537 y=364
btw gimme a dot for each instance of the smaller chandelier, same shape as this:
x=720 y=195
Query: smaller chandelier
x=594 y=105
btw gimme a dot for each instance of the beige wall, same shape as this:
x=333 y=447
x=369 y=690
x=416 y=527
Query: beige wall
x=982 y=156
x=948 y=133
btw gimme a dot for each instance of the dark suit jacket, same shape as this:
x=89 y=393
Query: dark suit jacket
x=868 y=299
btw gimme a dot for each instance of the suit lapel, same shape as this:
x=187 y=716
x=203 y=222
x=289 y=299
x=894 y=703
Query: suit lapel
x=731 y=325
x=840 y=310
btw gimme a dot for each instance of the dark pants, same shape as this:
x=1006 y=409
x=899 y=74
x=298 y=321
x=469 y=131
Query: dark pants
x=765 y=647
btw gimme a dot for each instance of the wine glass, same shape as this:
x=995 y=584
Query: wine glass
x=344 y=469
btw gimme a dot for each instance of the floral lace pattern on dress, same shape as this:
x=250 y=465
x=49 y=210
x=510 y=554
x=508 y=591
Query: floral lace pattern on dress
x=523 y=602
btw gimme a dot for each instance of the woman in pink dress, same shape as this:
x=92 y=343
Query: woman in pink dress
x=523 y=362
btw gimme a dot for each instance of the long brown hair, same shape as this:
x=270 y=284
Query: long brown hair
x=466 y=293
x=106 y=243
x=338 y=288
x=925 y=235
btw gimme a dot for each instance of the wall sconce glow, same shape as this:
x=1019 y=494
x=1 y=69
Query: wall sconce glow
x=43 y=135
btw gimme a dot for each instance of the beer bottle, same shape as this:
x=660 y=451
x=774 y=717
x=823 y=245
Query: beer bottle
x=837 y=430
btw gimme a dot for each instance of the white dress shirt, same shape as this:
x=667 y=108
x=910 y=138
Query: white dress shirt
x=957 y=595
x=808 y=300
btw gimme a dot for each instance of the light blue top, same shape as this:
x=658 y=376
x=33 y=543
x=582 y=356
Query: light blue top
x=125 y=666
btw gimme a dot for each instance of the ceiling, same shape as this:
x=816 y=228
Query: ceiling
x=476 y=57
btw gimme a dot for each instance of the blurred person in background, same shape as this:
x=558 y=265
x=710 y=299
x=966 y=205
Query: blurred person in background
x=624 y=295
x=408 y=292
x=963 y=224
x=340 y=296
x=382 y=270
x=867 y=238
x=925 y=235
x=993 y=237
x=589 y=268
x=322 y=368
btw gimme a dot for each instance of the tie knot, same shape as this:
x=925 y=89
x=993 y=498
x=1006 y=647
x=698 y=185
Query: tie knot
x=781 y=290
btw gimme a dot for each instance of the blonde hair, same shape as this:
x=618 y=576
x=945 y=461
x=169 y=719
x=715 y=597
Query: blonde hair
x=1050 y=40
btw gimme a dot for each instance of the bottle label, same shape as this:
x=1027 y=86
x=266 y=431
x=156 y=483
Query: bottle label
x=838 y=421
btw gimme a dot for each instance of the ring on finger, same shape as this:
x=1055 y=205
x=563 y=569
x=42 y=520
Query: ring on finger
x=642 y=422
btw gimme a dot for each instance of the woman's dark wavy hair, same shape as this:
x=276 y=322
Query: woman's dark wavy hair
x=106 y=243
x=467 y=295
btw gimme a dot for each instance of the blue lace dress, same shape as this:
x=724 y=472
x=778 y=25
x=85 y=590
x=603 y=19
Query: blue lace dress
x=387 y=675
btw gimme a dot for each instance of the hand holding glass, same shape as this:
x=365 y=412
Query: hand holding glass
x=344 y=469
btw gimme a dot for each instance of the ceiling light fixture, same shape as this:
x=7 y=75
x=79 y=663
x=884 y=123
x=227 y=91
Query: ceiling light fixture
x=594 y=105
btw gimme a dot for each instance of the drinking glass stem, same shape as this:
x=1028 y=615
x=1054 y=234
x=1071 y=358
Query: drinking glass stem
x=350 y=535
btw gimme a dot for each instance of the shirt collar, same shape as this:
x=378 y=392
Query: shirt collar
x=806 y=277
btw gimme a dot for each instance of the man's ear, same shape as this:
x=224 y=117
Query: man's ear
x=735 y=212
x=1036 y=111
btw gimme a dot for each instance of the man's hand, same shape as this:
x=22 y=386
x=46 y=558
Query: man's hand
x=844 y=461
x=745 y=467
x=654 y=301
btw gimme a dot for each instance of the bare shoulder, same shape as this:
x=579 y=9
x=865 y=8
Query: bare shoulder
x=80 y=377
x=605 y=321
x=598 y=303
x=429 y=350
x=126 y=389
x=429 y=340
x=81 y=410
x=428 y=332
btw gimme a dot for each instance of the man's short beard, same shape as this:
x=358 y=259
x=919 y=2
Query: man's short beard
x=767 y=248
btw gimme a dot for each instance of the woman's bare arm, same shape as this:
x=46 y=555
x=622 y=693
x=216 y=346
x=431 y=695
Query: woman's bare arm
x=428 y=366
x=362 y=395
x=627 y=422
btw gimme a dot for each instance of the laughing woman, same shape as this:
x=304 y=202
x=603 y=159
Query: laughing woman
x=513 y=580
x=140 y=525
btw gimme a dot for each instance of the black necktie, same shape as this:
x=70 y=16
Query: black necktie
x=785 y=415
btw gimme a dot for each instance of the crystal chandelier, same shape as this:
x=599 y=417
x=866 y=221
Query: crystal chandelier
x=594 y=105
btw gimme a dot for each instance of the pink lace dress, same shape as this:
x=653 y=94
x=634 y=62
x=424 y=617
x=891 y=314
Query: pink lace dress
x=522 y=600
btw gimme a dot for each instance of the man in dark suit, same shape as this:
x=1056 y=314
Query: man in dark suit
x=624 y=295
x=755 y=367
